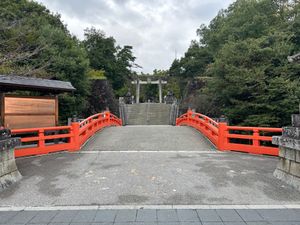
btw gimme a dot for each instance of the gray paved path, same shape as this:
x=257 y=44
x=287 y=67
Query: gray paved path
x=154 y=217
x=188 y=171
x=117 y=178
x=149 y=138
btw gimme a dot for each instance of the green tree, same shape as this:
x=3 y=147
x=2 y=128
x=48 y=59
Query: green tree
x=34 y=42
x=104 y=54
x=247 y=45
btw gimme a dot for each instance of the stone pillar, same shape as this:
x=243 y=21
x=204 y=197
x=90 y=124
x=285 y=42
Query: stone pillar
x=138 y=91
x=160 y=90
x=288 y=168
x=9 y=172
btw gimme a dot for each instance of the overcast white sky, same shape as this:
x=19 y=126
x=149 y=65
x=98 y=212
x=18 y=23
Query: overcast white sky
x=155 y=28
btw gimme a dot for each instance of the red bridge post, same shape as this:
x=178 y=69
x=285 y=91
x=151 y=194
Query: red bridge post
x=222 y=136
x=75 y=141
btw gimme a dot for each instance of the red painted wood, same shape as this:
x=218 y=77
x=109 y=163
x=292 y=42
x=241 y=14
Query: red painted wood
x=222 y=136
x=76 y=135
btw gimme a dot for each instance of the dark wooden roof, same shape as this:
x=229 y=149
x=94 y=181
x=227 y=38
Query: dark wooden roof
x=13 y=83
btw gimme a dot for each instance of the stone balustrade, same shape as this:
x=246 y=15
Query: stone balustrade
x=288 y=168
x=9 y=172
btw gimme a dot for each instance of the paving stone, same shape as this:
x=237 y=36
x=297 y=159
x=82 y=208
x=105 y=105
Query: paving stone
x=146 y=215
x=285 y=223
x=187 y=215
x=249 y=215
x=101 y=223
x=212 y=223
x=190 y=223
x=84 y=216
x=135 y=223
x=144 y=223
x=126 y=215
x=83 y=223
x=291 y=215
x=105 y=216
x=59 y=224
x=167 y=215
x=208 y=215
x=38 y=224
x=43 y=217
x=169 y=223
x=273 y=215
x=22 y=217
x=229 y=215
x=234 y=223
x=64 y=216
x=5 y=216
x=258 y=223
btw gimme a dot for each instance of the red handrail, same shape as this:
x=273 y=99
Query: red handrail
x=38 y=141
x=255 y=140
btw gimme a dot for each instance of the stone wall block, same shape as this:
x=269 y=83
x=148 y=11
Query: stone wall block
x=288 y=167
x=11 y=165
x=295 y=169
x=298 y=156
x=284 y=164
x=292 y=132
x=290 y=154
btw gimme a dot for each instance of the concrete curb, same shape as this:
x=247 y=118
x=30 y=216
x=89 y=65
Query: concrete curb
x=120 y=207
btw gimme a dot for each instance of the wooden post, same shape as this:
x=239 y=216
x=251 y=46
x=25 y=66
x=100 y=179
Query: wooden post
x=41 y=142
x=107 y=115
x=222 y=136
x=255 y=141
x=75 y=140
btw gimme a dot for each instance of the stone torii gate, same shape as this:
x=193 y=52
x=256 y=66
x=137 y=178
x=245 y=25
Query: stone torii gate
x=138 y=81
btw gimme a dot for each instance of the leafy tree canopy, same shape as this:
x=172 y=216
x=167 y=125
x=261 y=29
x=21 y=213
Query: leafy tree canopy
x=244 y=50
x=105 y=55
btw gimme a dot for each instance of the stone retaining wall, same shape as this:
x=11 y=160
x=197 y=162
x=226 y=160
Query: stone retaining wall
x=288 y=168
x=9 y=172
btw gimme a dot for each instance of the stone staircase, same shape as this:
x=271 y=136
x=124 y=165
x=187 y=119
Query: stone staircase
x=148 y=114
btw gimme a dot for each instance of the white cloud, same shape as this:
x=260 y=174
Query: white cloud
x=155 y=28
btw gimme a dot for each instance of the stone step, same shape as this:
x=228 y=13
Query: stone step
x=148 y=114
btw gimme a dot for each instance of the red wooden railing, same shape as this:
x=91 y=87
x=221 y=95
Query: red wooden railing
x=38 y=141
x=255 y=140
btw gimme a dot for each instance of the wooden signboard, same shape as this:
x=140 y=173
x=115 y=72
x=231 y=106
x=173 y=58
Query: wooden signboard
x=28 y=112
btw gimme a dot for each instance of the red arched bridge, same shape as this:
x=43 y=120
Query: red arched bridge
x=255 y=140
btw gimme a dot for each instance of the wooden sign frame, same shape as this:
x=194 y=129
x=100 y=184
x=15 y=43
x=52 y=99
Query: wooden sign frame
x=17 y=112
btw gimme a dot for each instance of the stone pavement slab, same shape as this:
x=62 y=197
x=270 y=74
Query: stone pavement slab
x=228 y=215
x=146 y=215
x=162 y=216
x=249 y=215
